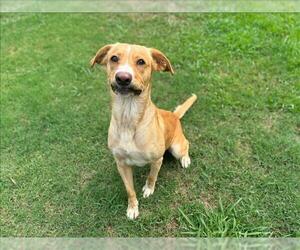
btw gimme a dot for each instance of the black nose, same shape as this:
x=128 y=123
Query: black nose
x=123 y=78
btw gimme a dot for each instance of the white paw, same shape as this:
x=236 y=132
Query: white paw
x=147 y=191
x=133 y=212
x=185 y=161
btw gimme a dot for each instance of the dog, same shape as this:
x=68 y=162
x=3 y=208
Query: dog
x=139 y=132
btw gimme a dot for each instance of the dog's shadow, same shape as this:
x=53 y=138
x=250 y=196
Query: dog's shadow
x=169 y=159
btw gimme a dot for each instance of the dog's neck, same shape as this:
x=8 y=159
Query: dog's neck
x=129 y=111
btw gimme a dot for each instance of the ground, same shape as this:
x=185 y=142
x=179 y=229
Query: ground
x=58 y=177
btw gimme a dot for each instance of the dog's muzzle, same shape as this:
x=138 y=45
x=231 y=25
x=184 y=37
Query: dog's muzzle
x=123 y=79
x=123 y=84
x=125 y=90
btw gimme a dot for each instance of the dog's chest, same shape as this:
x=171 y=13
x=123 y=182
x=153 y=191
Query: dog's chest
x=127 y=141
x=126 y=148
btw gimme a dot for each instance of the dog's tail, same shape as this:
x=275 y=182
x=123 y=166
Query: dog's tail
x=181 y=109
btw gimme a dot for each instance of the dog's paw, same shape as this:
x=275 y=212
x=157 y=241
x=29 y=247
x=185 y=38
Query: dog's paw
x=185 y=161
x=147 y=191
x=132 y=212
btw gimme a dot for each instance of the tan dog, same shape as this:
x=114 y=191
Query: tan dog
x=139 y=132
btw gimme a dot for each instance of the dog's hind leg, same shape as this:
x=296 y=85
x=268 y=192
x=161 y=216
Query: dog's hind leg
x=149 y=187
x=180 y=149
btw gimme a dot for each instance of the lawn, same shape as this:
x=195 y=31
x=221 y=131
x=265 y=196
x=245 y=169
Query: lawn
x=58 y=177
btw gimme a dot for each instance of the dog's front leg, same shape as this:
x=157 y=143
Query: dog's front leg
x=152 y=177
x=127 y=177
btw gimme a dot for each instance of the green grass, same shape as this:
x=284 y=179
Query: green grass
x=58 y=177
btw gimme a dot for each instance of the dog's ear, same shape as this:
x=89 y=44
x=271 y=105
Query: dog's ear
x=160 y=61
x=101 y=55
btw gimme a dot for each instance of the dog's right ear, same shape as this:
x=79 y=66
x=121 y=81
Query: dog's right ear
x=100 y=56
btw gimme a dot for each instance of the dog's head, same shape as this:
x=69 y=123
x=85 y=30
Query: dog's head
x=129 y=67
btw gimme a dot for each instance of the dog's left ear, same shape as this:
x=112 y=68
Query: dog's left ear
x=160 y=61
x=100 y=56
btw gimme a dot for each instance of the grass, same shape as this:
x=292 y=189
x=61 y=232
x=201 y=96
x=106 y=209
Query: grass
x=220 y=222
x=57 y=176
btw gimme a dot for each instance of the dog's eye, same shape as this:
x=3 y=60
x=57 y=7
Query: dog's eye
x=114 y=59
x=140 y=62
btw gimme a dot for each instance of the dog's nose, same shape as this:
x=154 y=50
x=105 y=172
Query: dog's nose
x=123 y=78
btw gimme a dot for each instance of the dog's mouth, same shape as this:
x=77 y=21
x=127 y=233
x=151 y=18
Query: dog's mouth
x=125 y=90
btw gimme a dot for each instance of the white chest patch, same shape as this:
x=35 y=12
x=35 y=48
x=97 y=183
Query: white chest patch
x=127 y=151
